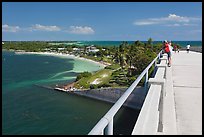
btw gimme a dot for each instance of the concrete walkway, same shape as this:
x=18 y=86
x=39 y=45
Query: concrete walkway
x=187 y=89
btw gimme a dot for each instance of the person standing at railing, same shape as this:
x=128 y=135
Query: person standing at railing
x=188 y=48
x=167 y=49
x=170 y=46
x=177 y=48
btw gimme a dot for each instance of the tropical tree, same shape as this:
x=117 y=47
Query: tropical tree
x=121 y=60
x=116 y=57
x=129 y=57
x=149 y=42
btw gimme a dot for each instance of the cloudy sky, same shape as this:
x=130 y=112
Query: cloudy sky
x=102 y=20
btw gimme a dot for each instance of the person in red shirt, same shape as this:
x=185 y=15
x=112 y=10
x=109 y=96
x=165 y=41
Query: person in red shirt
x=167 y=50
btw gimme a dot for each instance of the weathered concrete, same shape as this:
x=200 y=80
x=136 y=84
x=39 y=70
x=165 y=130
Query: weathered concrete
x=187 y=88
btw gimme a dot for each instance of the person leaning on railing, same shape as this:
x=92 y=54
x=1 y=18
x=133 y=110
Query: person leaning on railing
x=167 y=49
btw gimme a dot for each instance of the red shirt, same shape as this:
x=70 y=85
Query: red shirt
x=166 y=47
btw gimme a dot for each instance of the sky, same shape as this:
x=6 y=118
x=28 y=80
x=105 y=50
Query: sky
x=108 y=21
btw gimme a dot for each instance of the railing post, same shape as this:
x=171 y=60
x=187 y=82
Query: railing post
x=146 y=80
x=109 y=128
x=155 y=67
x=102 y=132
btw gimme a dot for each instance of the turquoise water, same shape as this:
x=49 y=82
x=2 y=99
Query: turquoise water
x=117 y=43
x=30 y=109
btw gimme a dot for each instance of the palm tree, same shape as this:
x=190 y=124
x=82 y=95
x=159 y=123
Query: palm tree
x=130 y=54
x=116 y=57
x=121 y=60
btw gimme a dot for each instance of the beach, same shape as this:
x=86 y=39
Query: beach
x=103 y=64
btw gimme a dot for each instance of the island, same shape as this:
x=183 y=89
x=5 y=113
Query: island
x=122 y=63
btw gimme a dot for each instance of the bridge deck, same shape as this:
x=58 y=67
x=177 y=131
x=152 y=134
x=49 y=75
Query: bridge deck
x=187 y=88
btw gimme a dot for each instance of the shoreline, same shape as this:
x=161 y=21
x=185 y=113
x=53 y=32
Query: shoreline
x=103 y=64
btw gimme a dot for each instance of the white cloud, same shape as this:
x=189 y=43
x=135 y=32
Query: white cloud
x=44 y=28
x=145 y=22
x=7 y=28
x=175 y=18
x=81 y=30
x=171 y=20
x=173 y=25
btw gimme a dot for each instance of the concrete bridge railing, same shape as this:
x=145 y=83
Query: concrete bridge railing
x=150 y=120
x=105 y=125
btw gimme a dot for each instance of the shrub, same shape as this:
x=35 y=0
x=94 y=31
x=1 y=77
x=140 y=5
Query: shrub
x=93 y=86
x=82 y=75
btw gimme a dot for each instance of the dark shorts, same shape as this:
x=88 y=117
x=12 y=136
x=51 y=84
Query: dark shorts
x=187 y=49
x=168 y=54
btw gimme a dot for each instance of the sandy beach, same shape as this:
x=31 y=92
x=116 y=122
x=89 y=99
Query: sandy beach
x=64 y=55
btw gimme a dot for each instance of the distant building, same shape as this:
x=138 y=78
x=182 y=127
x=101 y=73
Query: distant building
x=61 y=48
x=2 y=43
x=75 y=49
x=92 y=48
x=78 y=50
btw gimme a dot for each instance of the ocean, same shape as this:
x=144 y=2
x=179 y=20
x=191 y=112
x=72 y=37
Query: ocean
x=28 y=109
x=117 y=43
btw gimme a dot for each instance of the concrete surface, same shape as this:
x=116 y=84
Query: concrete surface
x=187 y=88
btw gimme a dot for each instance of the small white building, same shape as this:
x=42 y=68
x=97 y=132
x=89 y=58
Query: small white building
x=78 y=49
x=75 y=49
x=2 y=43
x=92 y=48
x=61 y=48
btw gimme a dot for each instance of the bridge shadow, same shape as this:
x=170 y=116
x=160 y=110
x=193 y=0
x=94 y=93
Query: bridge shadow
x=124 y=121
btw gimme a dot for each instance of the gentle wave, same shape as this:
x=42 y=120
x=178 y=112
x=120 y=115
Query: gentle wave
x=33 y=82
x=60 y=73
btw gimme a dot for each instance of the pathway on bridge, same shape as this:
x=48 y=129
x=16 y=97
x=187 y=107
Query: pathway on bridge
x=187 y=88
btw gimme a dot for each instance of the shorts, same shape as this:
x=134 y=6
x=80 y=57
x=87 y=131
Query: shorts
x=187 y=49
x=168 y=54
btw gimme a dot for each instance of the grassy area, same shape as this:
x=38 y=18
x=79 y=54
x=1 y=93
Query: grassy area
x=113 y=67
x=119 y=78
x=111 y=76
x=98 y=79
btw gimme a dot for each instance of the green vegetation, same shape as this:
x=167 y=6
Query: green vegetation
x=83 y=75
x=27 y=46
x=128 y=60
x=113 y=66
